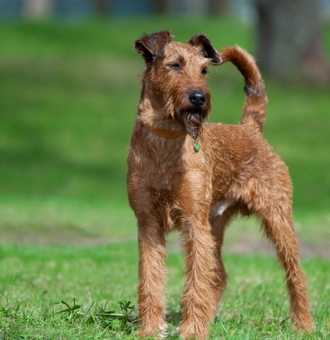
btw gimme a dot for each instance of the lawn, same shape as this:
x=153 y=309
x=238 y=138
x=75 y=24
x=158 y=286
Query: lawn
x=38 y=281
x=68 y=96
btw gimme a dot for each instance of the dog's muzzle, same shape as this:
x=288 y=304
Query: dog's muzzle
x=194 y=114
x=192 y=121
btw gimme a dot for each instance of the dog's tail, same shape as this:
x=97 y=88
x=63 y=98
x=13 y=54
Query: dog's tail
x=254 y=111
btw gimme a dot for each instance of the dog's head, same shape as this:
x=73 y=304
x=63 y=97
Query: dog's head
x=174 y=83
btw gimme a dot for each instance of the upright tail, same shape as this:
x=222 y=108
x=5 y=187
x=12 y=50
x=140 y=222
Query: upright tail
x=254 y=111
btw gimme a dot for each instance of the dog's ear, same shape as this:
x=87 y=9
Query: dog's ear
x=153 y=45
x=206 y=47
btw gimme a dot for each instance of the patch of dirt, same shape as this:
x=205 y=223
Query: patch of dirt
x=241 y=242
x=246 y=238
x=260 y=245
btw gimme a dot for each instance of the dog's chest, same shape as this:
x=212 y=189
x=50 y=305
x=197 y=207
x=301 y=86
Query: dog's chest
x=165 y=177
x=164 y=188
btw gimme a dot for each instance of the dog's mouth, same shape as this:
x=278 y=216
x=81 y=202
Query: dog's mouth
x=192 y=121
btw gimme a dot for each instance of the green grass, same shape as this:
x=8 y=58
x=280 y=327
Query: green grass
x=68 y=96
x=35 y=279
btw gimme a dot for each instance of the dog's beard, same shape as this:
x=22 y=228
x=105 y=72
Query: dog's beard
x=192 y=122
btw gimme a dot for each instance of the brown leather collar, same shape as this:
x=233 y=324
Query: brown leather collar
x=166 y=133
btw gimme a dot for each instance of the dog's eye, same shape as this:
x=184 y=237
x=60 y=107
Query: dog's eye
x=175 y=66
x=204 y=71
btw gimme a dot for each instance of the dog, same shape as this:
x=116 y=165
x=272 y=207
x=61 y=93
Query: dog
x=188 y=175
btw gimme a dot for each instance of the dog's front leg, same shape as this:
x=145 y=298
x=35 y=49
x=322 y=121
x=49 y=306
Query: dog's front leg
x=152 y=254
x=199 y=275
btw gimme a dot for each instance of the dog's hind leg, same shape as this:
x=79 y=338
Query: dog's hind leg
x=279 y=229
x=268 y=194
x=219 y=223
x=264 y=188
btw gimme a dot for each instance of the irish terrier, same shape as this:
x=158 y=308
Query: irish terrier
x=194 y=177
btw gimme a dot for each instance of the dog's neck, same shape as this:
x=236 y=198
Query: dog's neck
x=157 y=124
x=165 y=133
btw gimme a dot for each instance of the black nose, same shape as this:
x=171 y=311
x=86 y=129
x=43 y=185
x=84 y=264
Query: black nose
x=197 y=98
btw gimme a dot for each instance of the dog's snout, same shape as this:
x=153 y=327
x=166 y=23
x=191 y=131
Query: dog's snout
x=197 y=98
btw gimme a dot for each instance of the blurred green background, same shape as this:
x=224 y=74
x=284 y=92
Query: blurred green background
x=69 y=88
x=68 y=96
